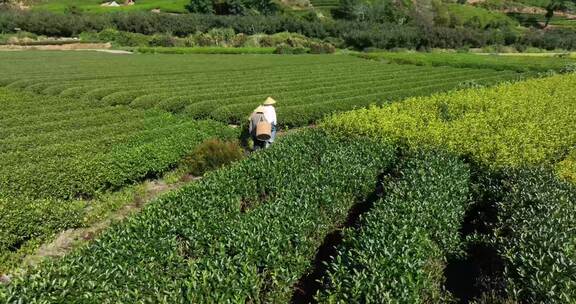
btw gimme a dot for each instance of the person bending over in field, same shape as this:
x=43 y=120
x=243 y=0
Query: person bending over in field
x=262 y=126
x=270 y=115
x=255 y=118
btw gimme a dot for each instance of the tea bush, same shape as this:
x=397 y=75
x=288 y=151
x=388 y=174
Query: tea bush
x=57 y=150
x=526 y=123
x=27 y=220
x=520 y=63
x=245 y=233
x=307 y=87
x=63 y=148
x=567 y=167
x=536 y=236
x=522 y=125
x=212 y=154
x=398 y=253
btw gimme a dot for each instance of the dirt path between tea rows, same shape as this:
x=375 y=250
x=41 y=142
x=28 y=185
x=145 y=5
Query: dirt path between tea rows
x=71 y=239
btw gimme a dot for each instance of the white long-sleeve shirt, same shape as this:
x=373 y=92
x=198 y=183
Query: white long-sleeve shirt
x=270 y=114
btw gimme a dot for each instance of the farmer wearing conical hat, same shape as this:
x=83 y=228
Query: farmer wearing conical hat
x=270 y=115
x=265 y=115
x=255 y=118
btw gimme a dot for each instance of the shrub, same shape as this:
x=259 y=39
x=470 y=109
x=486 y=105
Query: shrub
x=239 y=40
x=466 y=60
x=535 y=236
x=322 y=48
x=286 y=49
x=124 y=146
x=511 y=126
x=398 y=253
x=308 y=87
x=569 y=68
x=358 y=35
x=24 y=220
x=479 y=123
x=212 y=154
x=123 y=38
x=567 y=167
x=165 y=40
x=245 y=233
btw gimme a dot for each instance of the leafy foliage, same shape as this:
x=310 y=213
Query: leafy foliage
x=526 y=123
x=31 y=220
x=475 y=17
x=536 y=238
x=232 y=7
x=212 y=154
x=380 y=11
x=514 y=125
x=63 y=154
x=54 y=150
x=567 y=167
x=397 y=254
x=243 y=233
x=462 y=60
x=351 y=34
x=307 y=86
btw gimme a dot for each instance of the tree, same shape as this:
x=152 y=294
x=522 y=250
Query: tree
x=379 y=11
x=200 y=6
x=232 y=7
x=346 y=9
x=556 y=5
x=6 y=4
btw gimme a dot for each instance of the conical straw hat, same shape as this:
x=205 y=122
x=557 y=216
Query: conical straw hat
x=269 y=101
x=259 y=109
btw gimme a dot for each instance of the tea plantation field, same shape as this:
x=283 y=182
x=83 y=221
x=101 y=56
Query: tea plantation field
x=440 y=195
x=482 y=193
x=54 y=151
x=228 y=87
x=94 y=6
x=520 y=141
x=515 y=62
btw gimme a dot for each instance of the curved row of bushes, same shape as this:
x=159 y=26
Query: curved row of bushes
x=307 y=87
x=522 y=125
x=525 y=123
x=246 y=233
x=536 y=236
x=68 y=163
x=399 y=252
x=57 y=150
x=519 y=63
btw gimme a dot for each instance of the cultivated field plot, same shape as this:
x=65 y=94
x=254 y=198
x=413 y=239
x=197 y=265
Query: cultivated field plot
x=257 y=231
x=41 y=139
x=94 y=6
x=523 y=213
x=56 y=151
x=325 y=4
x=228 y=87
x=520 y=63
